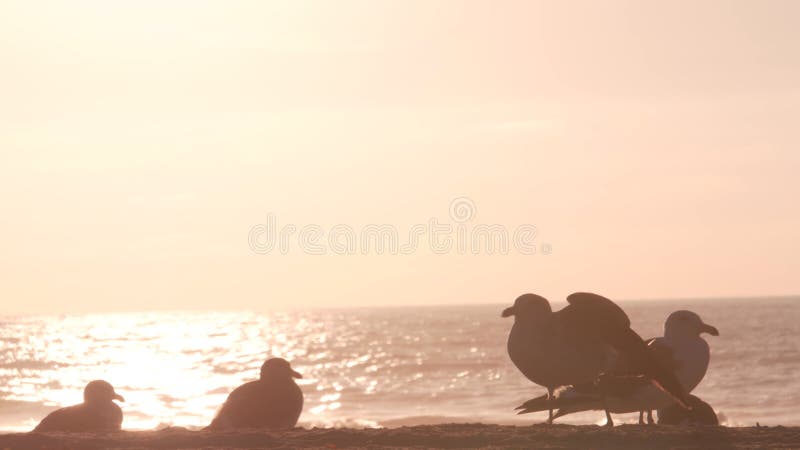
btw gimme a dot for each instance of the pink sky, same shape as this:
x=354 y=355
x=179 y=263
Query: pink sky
x=654 y=145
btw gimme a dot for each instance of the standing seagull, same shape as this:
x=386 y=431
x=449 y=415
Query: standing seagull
x=98 y=412
x=274 y=401
x=681 y=350
x=574 y=345
x=682 y=340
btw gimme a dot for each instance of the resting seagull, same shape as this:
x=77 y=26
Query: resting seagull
x=274 y=401
x=621 y=390
x=701 y=414
x=98 y=412
x=574 y=345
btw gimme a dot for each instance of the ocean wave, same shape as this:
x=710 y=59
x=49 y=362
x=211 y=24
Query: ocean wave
x=30 y=364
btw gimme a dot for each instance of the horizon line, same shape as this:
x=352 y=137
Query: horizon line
x=286 y=309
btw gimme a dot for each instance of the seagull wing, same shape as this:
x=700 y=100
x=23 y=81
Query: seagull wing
x=587 y=302
x=592 y=317
x=660 y=350
x=663 y=353
x=52 y=422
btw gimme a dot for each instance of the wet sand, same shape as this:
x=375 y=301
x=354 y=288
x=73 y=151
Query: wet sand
x=441 y=436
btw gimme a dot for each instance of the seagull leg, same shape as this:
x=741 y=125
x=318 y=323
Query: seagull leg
x=550 y=405
x=602 y=388
x=609 y=420
x=641 y=417
x=650 y=420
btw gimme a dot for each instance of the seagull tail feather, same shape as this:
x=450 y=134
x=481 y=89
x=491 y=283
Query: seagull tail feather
x=578 y=404
x=568 y=402
x=534 y=405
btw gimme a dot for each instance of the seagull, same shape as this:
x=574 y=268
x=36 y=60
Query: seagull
x=622 y=390
x=98 y=412
x=574 y=345
x=701 y=414
x=683 y=329
x=274 y=401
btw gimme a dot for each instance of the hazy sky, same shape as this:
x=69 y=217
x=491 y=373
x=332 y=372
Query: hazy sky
x=654 y=145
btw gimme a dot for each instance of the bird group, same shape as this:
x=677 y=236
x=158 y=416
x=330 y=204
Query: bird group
x=588 y=358
x=274 y=401
x=586 y=355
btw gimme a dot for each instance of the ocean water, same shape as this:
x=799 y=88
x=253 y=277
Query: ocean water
x=365 y=367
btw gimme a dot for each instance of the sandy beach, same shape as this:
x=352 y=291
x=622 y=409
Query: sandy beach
x=437 y=436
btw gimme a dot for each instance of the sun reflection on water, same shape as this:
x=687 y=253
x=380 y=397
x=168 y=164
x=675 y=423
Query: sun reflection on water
x=361 y=367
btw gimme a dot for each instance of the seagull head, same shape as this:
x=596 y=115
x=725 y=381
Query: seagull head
x=278 y=369
x=687 y=323
x=100 y=392
x=528 y=306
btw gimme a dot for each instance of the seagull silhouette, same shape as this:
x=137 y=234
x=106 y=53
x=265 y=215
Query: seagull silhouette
x=274 y=401
x=576 y=344
x=624 y=389
x=98 y=412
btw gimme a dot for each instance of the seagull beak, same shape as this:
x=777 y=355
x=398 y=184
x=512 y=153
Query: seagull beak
x=709 y=329
x=508 y=312
x=118 y=397
x=296 y=374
